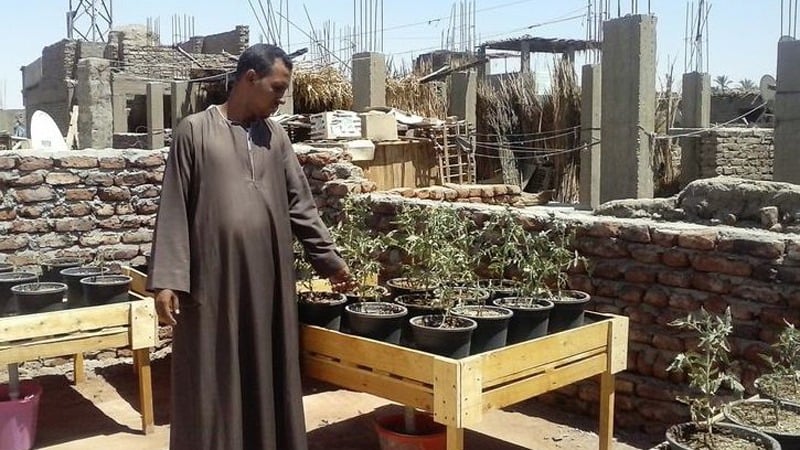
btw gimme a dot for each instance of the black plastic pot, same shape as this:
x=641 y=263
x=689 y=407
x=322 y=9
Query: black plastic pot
x=8 y=303
x=763 y=408
x=418 y=304
x=72 y=277
x=400 y=286
x=452 y=340
x=568 y=310
x=326 y=313
x=677 y=434
x=105 y=289
x=498 y=288
x=492 y=330
x=381 y=321
x=51 y=268
x=380 y=294
x=5 y=267
x=462 y=295
x=39 y=297
x=530 y=319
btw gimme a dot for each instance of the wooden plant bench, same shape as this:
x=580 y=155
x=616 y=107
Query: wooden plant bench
x=130 y=324
x=460 y=391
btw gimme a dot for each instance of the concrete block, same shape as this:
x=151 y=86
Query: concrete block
x=155 y=115
x=463 y=96
x=369 y=80
x=378 y=126
x=591 y=97
x=787 y=113
x=93 y=92
x=696 y=113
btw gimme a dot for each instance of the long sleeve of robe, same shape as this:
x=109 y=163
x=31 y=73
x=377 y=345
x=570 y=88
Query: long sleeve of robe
x=230 y=202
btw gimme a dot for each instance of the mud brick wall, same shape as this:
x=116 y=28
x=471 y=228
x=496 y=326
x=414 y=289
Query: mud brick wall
x=655 y=272
x=741 y=152
x=75 y=203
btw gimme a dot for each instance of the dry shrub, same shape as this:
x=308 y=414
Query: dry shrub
x=320 y=89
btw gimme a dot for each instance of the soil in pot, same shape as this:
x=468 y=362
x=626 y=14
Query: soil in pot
x=444 y=335
x=406 y=286
x=428 y=435
x=779 y=420
x=323 y=309
x=530 y=320
x=72 y=277
x=417 y=304
x=366 y=294
x=4 y=267
x=780 y=387
x=8 y=303
x=105 y=289
x=39 y=297
x=381 y=321
x=492 y=330
x=685 y=436
x=51 y=268
x=568 y=310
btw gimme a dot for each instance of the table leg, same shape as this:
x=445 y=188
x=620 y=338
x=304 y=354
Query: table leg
x=606 y=410
x=142 y=358
x=78 y=370
x=455 y=438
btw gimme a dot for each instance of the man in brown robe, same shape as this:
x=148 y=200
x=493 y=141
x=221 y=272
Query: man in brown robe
x=222 y=267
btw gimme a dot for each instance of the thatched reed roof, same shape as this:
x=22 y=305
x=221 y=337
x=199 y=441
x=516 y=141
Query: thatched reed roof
x=542 y=45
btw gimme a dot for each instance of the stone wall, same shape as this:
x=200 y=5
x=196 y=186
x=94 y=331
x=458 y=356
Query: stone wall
x=75 y=203
x=740 y=152
x=54 y=92
x=234 y=42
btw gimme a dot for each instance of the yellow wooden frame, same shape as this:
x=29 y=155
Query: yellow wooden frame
x=130 y=324
x=460 y=391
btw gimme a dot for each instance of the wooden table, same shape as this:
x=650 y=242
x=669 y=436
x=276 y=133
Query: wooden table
x=76 y=331
x=460 y=391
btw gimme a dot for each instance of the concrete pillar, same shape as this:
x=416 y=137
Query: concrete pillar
x=525 y=57
x=155 y=115
x=696 y=113
x=181 y=101
x=95 y=111
x=483 y=69
x=591 y=97
x=628 y=102
x=120 y=105
x=787 y=113
x=288 y=106
x=369 y=80
x=463 y=96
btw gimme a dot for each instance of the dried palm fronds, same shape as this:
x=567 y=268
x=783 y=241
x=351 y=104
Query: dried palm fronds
x=404 y=91
x=320 y=89
x=665 y=173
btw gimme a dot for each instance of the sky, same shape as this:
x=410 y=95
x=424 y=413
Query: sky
x=743 y=34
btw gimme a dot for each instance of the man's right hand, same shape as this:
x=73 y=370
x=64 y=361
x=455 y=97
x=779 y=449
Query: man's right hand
x=167 y=306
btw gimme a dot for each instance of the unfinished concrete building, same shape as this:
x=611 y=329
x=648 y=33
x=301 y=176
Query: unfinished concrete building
x=108 y=81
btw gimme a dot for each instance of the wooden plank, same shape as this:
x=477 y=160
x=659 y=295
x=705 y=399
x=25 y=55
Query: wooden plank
x=356 y=350
x=544 y=382
x=145 y=390
x=514 y=376
x=455 y=438
x=361 y=380
x=32 y=326
x=457 y=392
x=138 y=281
x=19 y=354
x=78 y=369
x=618 y=345
x=545 y=350
x=606 y=426
x=144 y=325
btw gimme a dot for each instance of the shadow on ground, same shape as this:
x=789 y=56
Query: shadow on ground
x=123 y=379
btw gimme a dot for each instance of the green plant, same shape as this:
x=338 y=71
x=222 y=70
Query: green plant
x=784 y=366
x=302 y=267
x=708 y=367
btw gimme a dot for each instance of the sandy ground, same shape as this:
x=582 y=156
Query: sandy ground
x=102 y=414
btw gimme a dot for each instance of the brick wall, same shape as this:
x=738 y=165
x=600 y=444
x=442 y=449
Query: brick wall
x=53 y=94
x=234 y=42
x=741 y=152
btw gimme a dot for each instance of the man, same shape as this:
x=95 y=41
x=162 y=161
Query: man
x=221 y=267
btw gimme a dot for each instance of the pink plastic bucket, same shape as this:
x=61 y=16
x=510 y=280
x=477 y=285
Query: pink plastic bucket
x=18 y=417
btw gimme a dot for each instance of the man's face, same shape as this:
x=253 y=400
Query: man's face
x=268 y=90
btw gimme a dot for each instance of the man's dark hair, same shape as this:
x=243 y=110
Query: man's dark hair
x=261 y=58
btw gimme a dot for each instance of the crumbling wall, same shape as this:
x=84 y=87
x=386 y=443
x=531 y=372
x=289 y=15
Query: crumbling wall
x=234 y=42
x=740 y=152
x=53 y=93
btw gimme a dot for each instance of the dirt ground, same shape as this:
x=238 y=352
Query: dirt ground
x=102 y=414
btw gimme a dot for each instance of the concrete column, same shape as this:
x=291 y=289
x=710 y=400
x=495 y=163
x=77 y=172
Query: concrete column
x=525 y=57
x=120 y=104
x=155 y=115
x=696 y=113
x=181 y=101
x=787 y=113
x=483 y=69
x=369 y=80
x=288 y=98
x=591 y=97
x=95 y=111
x=463 y=96
x=628 y=102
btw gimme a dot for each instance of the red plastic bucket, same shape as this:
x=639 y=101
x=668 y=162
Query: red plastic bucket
x=18 y=417
x=431 y=435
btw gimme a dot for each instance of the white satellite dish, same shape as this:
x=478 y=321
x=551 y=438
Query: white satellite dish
x=45 y=134
x=767 y=88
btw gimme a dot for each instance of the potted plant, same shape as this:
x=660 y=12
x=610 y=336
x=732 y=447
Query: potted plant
x=72 y=277
x=39 y=296
x=52 y=267
x=314 y=307
x=366 y=313
x=783 y=381
x=708 y=369
x=8 y=304
x=103 y=289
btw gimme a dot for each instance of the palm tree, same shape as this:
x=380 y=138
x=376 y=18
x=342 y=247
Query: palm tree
x=722 y=82
x=747 y=85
